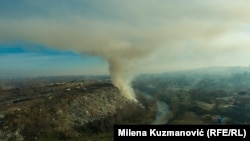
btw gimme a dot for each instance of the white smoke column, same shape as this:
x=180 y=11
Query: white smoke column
x=121 y=78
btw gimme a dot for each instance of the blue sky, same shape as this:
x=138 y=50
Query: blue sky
x=37 y=60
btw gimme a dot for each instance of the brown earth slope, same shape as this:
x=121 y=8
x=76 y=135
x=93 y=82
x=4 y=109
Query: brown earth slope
x=68 y=111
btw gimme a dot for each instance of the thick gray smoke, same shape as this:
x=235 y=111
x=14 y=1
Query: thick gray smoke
x=121 y=49
x=122 y=77
x=165 y=34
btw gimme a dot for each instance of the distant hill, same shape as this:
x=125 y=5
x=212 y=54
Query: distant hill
x=218 y=70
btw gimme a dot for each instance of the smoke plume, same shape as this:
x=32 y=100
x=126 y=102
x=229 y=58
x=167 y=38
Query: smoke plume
x=121 y=50
x=135 y=36
x=121 y=78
